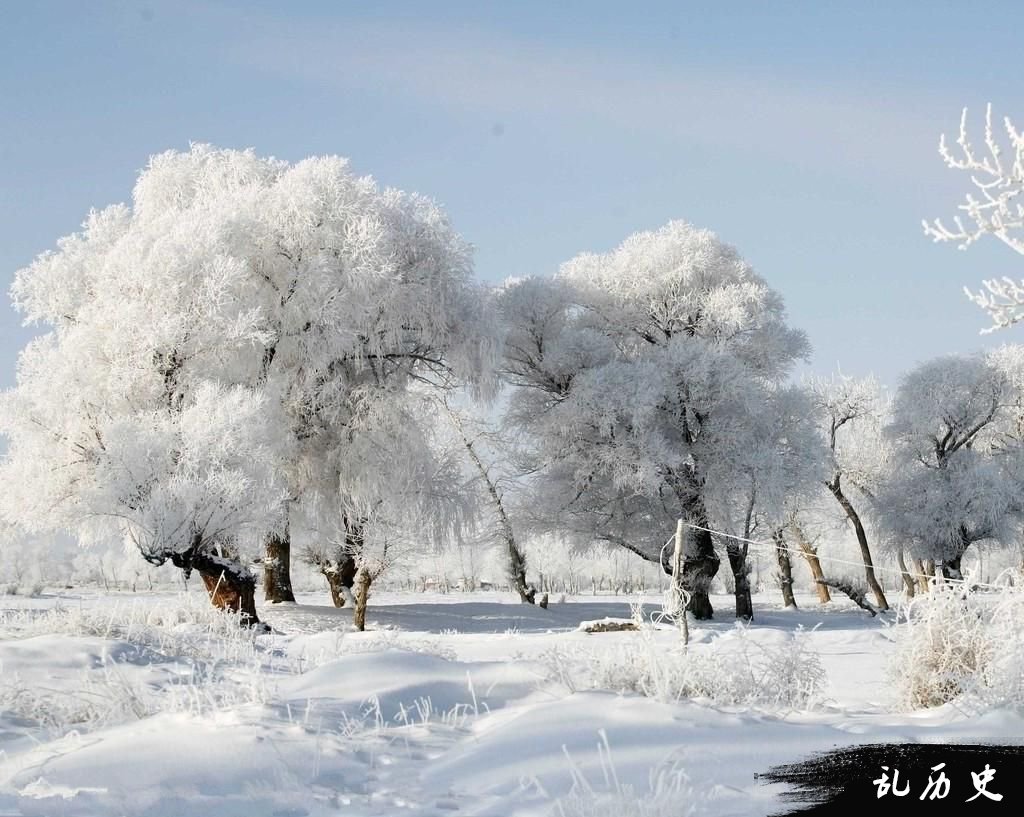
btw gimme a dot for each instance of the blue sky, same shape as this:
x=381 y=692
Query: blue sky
x=803 y=133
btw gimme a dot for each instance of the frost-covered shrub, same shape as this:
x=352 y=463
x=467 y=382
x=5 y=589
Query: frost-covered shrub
x=202 y=661
x=734 y=672
x=669 y=793
x=961 y=644
x=182 y=627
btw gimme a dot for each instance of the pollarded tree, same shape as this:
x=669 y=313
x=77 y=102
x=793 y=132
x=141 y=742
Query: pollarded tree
x=996 y=210
x=851 y=412
x=954 y=480
x=308 y=288
x=191 y=486
x=636 y=375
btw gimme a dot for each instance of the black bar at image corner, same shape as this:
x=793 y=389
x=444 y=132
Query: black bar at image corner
x=910 y=784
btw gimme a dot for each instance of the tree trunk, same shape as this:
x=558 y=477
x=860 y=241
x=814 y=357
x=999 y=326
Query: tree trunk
x=908 y=580
x=700 y=564
x=813 y=562
x=277 y=572
x=516 y=557
x=950 y=568
x=785 y=569
x=340 y=568
x=862 y=540
x=340 y=573
x=363 y=581
x=517 y=571
x=741 y=577
x=922 y=575
x=231 y=585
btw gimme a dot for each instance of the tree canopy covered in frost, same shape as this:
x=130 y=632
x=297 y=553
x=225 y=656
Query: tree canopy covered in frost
x=955 y=478
x=639 y=376
x=851 y=412
x=248 y=335
x=996 y=208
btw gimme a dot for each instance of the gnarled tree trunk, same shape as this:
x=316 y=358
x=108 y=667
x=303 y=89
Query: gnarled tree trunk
x=700 y=564
x=950 y=568
x=338 y=564
x=340 y=573
x=231 y=585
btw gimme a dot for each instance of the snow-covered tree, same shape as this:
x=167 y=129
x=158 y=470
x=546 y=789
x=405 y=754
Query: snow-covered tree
x=784 y=461
x=852 y=412
x=636 y=376
x=488 y=462
x=399 y=493
x=996 y=209
x=954 y=479
x=233 y=349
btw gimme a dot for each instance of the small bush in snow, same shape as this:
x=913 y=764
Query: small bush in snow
x=958 y=643
x=669 y=793
x=735 y=672
x=187 y=628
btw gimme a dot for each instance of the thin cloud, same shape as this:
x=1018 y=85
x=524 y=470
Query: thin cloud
x=833 y=130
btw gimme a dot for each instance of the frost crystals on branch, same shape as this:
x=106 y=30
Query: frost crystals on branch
x=997 y=210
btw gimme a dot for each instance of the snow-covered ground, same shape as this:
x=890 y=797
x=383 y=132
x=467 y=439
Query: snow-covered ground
x=465 y=704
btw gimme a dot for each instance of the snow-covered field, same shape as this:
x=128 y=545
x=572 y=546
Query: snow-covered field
x=465 y=704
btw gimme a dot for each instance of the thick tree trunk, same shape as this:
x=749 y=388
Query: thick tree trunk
x=813 y=562
x=741 y=577
x=232 y=586
x=785 y=569
x=363 y=582
x=862 y=540
x=340 y=573
x=700 y=564
x=340 y=566
x=908 y=580
x=950 y=568
x=277 y=572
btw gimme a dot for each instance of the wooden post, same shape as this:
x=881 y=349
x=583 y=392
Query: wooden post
x=677 y=581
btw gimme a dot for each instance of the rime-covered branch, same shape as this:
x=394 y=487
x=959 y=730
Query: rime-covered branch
x=852 y=591
x=996 y=208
